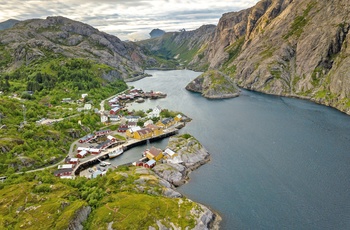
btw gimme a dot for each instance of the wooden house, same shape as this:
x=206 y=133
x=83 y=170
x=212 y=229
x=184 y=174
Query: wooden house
x=130 y=132
x=149 y=164
x=82 y=154
x=178 y=118
x=154 y=153
x=143 y=134
x=170 y=153
x=87 y=138
x=102 y=132
x=156 y=130
x=63 y=172
x=166 y=122
x=123 y=128
x=115 y=110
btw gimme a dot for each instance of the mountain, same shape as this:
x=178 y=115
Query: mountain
x=295 y=48
x=182 y=46
x=156 y=33
x=8 y=24
x=38 y=39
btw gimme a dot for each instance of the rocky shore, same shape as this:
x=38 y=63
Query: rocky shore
x=214 y=85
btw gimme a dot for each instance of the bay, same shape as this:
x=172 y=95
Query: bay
x=277 y=163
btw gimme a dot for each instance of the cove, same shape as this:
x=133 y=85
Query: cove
x=277 y=163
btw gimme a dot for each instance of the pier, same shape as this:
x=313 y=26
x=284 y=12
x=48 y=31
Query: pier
x=130 y=144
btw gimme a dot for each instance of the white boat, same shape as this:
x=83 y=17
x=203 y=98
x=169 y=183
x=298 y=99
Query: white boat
x=115 y=153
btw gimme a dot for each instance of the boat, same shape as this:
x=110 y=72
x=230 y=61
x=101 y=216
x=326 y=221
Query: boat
x=115 y=153
x=140 y=100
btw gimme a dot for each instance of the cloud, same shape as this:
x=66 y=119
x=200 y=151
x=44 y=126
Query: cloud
x=127 y=19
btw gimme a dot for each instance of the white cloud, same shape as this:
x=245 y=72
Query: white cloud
x=123 y=18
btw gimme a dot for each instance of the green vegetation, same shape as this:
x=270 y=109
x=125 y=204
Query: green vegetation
x=233 y=51
x=168 y=113
x=300 y=22
x=42 y=201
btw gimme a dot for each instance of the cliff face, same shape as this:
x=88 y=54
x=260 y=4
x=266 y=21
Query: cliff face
x=33 y=39
x=296 y=48
x=284 y=47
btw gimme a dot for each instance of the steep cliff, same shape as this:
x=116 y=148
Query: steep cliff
x=293 y=48
x=35 y=39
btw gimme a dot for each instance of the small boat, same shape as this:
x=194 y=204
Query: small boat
x=115 y=153
x=140 y=100
x=104 y=163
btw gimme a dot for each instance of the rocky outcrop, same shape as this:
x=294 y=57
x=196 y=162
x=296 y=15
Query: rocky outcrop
x=214 y=85
x=190 y=155
x=80 y=216
x=34 y=39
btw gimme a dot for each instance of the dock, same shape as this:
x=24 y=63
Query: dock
x=130 y=144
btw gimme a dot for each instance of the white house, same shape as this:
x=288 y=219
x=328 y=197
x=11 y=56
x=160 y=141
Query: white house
x=170 y=153
x=87 y=107
x=149 y=122
x=155 y=112
x=84 y=95
x=104 y=118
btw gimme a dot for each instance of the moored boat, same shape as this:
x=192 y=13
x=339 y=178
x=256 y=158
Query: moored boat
x=115 y=153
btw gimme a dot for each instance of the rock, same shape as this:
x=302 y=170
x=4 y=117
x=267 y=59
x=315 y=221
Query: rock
x=80 y=216
x=156 y=33
x=214 y=85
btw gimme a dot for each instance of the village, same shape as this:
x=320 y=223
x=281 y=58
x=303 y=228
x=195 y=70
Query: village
x=88 y=156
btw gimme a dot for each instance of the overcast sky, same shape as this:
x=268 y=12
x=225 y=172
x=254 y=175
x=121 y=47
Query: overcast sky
x=127 y=19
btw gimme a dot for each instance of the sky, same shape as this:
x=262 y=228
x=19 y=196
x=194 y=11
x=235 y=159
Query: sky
x=128 y=19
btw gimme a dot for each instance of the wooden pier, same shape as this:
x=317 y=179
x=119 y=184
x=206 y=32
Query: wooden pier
x=130 y=144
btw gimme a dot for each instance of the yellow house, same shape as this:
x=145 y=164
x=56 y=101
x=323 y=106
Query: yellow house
x=143 y=134
x=166 y=122
x=178 y=118
x=154 y=153
x=130 y=132
x=155 y=129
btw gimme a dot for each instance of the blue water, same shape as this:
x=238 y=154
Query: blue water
x=277 y=163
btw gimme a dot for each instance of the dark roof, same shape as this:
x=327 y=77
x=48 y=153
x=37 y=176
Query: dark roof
x=144 y=131
x=63 y=170
x=154 y=151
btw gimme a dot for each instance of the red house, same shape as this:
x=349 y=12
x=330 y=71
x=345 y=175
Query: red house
x=63 y=172
x=123 y=128
x=87 y=138
x=102 y=132
x=114 y=110
x=82 y=154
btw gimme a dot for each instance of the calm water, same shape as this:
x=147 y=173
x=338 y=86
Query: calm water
x=277 y=163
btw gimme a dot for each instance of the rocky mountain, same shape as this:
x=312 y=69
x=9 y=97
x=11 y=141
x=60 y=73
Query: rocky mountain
x=295 y=48
x=183 y=46
x=8 y=24
x=156 y=33
x=35 y=39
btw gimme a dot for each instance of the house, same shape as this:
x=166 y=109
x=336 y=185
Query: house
x=104 y=118
x=114 y=110
x=102 y=132
x=79 y=149
x=170 y=153
x=132 y=118
x=132 y=124
x=139 y=163
x=148 y=122
x=70 y=160
x=63 y=172
x=178 y=118
x=155 y=112
x=155 y=129
x=82 y=154
x=84 y=95
x=166 y=122
x=150 y=164
x=143 y=134
x=97 y=173
x=154 y=153
x=66 y=166
x=122 y=128
x=94 y=150
x=130 y=132
x=114 y=118
x=87 y=138
x=110 y=137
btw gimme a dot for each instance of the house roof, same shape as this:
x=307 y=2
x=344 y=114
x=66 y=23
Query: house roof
x=63 y=170
x=152 y=127
x=150 y=162
x=115 y=109
x=83 y=153
x=154 y=151
x=166 y=121
x=169 y=152
x=134 y=129
x=144 y=131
